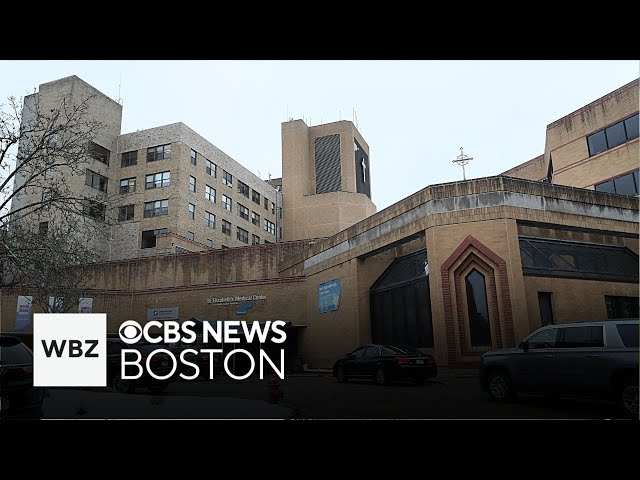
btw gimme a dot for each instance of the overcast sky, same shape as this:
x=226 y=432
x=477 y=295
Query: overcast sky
x=415 y=115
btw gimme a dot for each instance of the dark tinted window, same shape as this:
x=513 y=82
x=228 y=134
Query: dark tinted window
x=478 y=309
x=546 y=310
x=621 y=307
x=631 y=125
x=543 y=339
x=629 y=334
x=606 y=187
x=580 y=337
x=359 y=353
x=597 y=143
x=372 y=352
x=12 y=353
x=616 y=135
x=625 y=185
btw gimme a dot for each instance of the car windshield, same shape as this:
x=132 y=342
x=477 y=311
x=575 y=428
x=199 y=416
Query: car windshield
x=14 y=352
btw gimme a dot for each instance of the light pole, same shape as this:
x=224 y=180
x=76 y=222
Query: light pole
x=462 y=160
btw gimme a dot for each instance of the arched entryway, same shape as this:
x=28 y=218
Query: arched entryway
x=401 y=304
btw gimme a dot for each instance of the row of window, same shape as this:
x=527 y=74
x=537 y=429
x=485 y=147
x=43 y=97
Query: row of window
x=149 y=236
x=612 y=136
x=628 y=184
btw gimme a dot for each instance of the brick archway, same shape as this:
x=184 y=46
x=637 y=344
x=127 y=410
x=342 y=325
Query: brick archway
x=501 y=321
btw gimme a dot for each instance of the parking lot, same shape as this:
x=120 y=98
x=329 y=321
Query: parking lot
x=320 y=396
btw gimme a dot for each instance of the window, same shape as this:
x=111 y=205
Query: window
x=210 y=193
x=359 y=353
x=566 y=259
x=43 y=228
x=192 y=211
x=269 y=227
x=629 y=334
x=192 y=184
x=125 y=213
x=194 y=157
x=161 y=152
x=273 y=208
x=623 y=185
x=255 y=196
x=226 y=202
x=14 y=352
x=156 y=209
x=47 y=197
x=631 y=127
x=255 y=219
x=48 y=173
x=211 y=168
x=613 y=135
x=479 y=326
x=546 y=310
x=209 y=243
x=226 y=227
x=191 y=236
x=210 y=220
x=94 y=209
x=128 y=185
x=243 y=212
x=227 y=178
x=621 y=307
x=581 y=337
x=243 y=235
x=243 y=189
x=96 y=180
x=266 y=203
x=129 y=159
x=99 y=153
x=372 y=352
x=158 y=180
x=255 y=240
x=149 y=237
x=544 y=339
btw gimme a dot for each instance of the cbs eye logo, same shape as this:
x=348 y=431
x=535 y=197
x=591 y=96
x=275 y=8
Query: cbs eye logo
x=130 y=332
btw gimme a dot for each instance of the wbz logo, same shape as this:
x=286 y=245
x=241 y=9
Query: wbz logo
x=69 y=349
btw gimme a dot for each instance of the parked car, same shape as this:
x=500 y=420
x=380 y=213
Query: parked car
x=160 y=364
x=596 y=359
x=18 y=397
x=386 y=363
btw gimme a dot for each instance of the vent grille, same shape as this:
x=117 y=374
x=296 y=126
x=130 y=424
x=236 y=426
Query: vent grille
x=328 y=170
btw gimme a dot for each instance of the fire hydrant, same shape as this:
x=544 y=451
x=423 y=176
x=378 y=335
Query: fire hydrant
x=274 y=392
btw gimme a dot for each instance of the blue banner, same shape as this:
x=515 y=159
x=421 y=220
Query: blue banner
x=329 y=296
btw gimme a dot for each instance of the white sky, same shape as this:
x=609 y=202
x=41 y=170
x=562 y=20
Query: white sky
x=415 y=115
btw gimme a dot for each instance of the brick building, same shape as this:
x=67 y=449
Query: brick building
x=455 y=269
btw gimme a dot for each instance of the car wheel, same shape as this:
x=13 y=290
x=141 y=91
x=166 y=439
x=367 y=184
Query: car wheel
x=119 y=385
x=158 y=388
x=628 y=398
x=499 y=386
x=382 y=377
x=340 y=376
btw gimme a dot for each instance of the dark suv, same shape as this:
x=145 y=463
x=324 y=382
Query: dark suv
x=596 y=359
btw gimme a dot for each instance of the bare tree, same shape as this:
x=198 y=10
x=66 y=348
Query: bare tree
x=41 y=151
x=54 y=267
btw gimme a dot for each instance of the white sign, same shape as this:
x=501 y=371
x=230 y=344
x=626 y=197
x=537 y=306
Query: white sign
x=172 y=313
x=85 y=305
x=234 y=300
x=69 y=350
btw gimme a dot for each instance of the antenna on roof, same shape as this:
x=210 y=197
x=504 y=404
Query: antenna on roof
x=119 y=86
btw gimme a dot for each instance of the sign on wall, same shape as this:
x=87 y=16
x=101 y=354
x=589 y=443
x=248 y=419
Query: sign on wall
x=24 y=312
x=329 y=296
x=85 y=305
x=172 y=313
